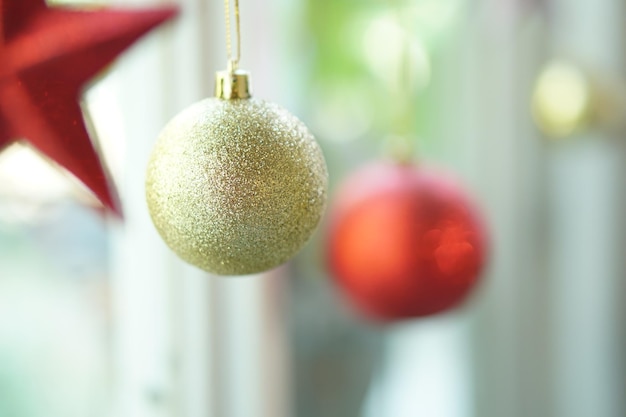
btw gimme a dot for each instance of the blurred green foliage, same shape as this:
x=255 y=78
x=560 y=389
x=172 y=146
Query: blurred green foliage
x=375 y=65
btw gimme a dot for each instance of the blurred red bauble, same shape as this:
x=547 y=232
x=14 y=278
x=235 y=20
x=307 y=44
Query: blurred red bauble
x=404 y=242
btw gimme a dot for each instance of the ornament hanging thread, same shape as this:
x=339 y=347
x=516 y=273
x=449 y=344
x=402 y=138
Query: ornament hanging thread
x=236 y=185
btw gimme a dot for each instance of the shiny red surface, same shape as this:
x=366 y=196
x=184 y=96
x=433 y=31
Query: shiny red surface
x=404 y=242
x=47 y=55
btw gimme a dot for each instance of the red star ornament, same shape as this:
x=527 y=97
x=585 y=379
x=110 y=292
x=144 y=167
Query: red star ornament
x=47 y=55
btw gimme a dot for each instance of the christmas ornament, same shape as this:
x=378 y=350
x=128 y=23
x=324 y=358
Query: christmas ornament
x=570 y=98
x=48 y=55
x=404 y=242
x=236 y=185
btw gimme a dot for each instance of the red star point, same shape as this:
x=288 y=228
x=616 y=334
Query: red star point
x=47 y=56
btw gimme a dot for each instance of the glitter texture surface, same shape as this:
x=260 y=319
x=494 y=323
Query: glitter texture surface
x=236 y=187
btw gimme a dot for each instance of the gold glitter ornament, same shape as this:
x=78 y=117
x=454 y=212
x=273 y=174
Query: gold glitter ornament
x=236 y=185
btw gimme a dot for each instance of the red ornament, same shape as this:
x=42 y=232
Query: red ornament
x=46 y=57
x=404 y=242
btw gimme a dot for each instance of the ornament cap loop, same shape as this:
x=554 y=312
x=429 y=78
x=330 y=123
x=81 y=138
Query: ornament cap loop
x=232 y=84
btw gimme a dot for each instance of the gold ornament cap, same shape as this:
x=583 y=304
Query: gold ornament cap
x=232 y=84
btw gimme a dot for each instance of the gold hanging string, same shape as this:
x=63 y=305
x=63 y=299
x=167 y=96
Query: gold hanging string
x=232 y=83
x=401 y=143
x=233 y=61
